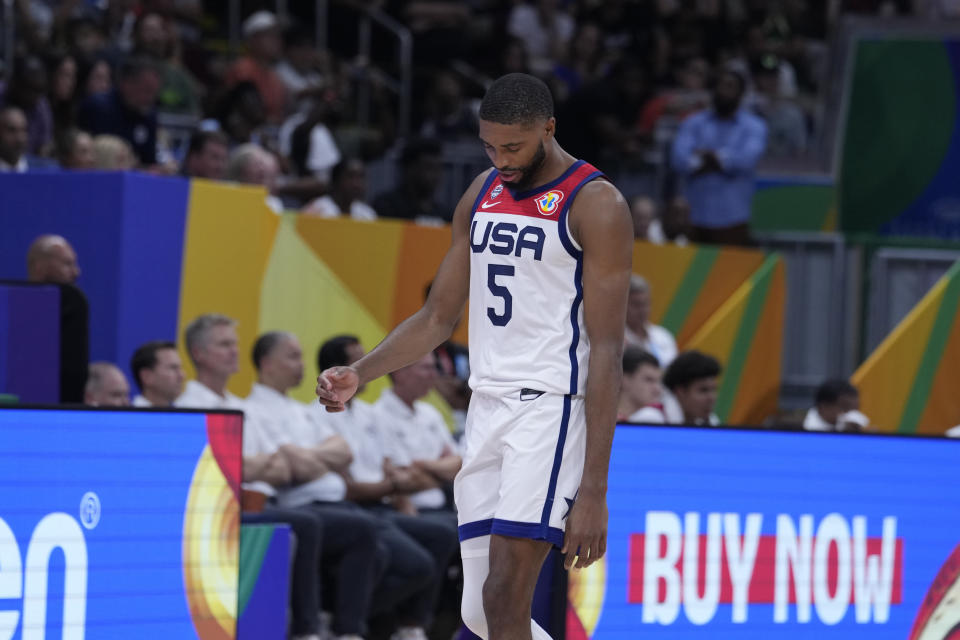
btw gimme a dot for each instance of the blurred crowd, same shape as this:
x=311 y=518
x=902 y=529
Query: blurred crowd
x=159 y=86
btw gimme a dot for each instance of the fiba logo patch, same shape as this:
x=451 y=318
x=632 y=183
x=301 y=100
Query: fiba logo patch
x=497 y=190
x=549 y=202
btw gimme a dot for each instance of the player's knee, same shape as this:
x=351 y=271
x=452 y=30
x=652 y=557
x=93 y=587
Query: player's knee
x=502 y=601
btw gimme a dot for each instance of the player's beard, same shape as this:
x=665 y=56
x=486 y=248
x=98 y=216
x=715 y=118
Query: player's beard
x=528 y=172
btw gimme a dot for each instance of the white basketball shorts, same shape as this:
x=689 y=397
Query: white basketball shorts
x=521 y=466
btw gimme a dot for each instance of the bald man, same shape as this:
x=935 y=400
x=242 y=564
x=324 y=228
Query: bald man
x=106 y=386
x=51 y=259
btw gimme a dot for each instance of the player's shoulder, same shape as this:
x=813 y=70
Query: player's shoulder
x=600 y=194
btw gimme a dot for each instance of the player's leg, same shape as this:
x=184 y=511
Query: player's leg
x=476 y=570
x=515 y=565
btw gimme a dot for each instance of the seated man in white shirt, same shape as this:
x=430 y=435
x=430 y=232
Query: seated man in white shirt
x=420 y=435
x=692 y=382
x=640 y=331
x=211 y=341
x=106 y=386
x=386 y=489
x=834 y=401
x=348 y=189
x=640 y=388
x=158 y=372
x=317 y=456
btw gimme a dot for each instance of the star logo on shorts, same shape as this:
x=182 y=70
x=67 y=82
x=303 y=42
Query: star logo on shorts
x=569 y=502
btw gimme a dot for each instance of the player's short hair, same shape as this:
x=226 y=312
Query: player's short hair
x=635 y=357
x=689 y=367
x=145 y=357
x=832 y=390
x=517 y=98
x=333 y=352
x=265 y=344
x=196 y=332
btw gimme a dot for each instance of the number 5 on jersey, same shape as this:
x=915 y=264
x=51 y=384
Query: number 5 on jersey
x=500 y=291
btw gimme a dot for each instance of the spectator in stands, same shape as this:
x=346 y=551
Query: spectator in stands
x=716 y=151
x=62 y=92
x=318 y=457
x=158 y=372
x=129 y=111
x=348 y=189
x=106 y=386
x=85 y=37
x=75 y=150
x=207 y=155
x=692 y=381
x=414 y=198
x=307 y=138
x=252 y=164
x=113 y=153
x=786 y=122
x=676 y=221
x=643 y=333
x=646 y=224
x=240 y=114
x=835 y=407
x=95 y=77
x=302 y=68
x=605 y=113
x=450 y=117
x=51 y=259
x=27 y=90
x=640 y=387
x=154 y=39
x=584 y=63
x=211 y=342
x=545 y=29
x=261 y=31
x=14 y=142
x=674 y=104
x=421 y=435
x=377 y=480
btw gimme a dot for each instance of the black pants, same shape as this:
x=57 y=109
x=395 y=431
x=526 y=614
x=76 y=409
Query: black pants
x=350 y=549
x=420 y=548
x=305 y=596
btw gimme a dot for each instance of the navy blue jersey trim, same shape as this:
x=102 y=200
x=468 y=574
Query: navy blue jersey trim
x=550 y=185
x=511 y=528
x=557 y=461
x=483 y=193
x=562 y=218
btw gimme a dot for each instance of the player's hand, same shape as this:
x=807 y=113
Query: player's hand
x=586 y=535
x=336 y=386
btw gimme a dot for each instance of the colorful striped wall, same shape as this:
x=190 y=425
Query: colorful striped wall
x=909 y=383
x=157 y=252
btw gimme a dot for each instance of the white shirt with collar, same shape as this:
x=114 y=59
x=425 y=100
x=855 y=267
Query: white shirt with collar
x=140 y=401
x=273 y=420
x=197 y=395
x=419 y=433
x=659 y=342
x=813 y=421
x=326 y=207
x=359 y=425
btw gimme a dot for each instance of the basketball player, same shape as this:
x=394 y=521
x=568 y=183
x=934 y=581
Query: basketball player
x=542 y=244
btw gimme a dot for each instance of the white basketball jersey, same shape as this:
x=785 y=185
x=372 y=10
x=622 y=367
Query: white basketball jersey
x=526 y=294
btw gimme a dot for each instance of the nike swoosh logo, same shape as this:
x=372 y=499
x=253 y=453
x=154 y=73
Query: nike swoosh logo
x=487 y=205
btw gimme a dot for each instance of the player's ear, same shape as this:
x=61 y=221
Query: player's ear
x=550 y=128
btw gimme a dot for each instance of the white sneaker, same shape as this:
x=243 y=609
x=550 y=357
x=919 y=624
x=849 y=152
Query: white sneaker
x=409 y=633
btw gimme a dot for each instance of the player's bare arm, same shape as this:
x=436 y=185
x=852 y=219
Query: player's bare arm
x=423 y=331
x=600 y=220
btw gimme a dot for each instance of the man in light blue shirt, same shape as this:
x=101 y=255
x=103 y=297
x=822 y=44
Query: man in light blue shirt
x=716 y=151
